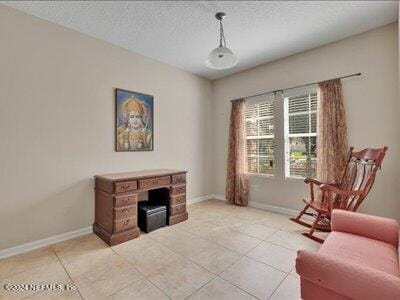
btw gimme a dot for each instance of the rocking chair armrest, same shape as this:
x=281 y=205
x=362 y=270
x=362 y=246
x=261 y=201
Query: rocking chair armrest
x=346 y=278
x=317 y=182
x=377 y=228
x=312 y=181
x=336 y=190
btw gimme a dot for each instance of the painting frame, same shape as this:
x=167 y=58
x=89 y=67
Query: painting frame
x=118 y=110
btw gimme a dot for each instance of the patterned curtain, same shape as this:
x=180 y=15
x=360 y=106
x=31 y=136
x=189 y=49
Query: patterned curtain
x=237 y=182
x=332 y=146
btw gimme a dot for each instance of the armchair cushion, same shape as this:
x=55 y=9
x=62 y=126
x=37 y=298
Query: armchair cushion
x=362 y=251
x=378 y=228
x=348 y=279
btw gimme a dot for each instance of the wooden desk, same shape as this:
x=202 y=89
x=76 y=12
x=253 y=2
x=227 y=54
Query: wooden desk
x=116 y=197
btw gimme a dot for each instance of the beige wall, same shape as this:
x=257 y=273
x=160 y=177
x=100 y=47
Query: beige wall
x=57 y=120
x=57 y=124
x=372 y=108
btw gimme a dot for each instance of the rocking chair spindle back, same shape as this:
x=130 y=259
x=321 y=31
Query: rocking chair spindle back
x=357 y=180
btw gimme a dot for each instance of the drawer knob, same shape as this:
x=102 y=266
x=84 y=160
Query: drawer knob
x=126 y=222
x=125 y=211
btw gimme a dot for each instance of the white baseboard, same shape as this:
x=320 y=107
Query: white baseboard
x=44 y=242
x=69 y=235
x=65 y=236
x=218 y=197
x=279 y=209
x=199 y=199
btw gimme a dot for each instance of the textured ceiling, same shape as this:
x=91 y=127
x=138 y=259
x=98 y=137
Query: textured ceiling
x=182 y=33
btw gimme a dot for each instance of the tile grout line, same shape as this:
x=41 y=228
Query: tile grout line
x=241 y=254
x=211 y=241
x=202 y=237
x=187 y=297
x=199 y=236
x=139 y=279
x=287 y=248
x=20 y=272
x=238 y=287
x=182 y=256
x=186 y=258
x=278 y=286
x=261 y=262
x=286 y=275
x=69 y=275
x=13 y=274
x=262 y=240
x=158 y=288
x=244 y=233
x=215 y=275
x=218 y=275
x=245 y=255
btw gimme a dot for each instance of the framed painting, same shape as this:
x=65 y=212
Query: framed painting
x=134 y=121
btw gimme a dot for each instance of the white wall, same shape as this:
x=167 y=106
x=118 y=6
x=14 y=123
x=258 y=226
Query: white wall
x=57 y=124
x=371 y=102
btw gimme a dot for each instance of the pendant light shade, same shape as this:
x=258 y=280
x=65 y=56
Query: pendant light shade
x=221 y=57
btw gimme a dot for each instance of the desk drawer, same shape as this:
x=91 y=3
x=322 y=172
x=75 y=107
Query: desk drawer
x=150 y=183
x=124 y=224
x=178 y=189
x=125 y=200
x=178 y=199
x=124 y=212
x=178 y=178
x=125 y=186
x=177 y=209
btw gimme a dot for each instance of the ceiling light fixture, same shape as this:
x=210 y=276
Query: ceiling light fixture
x=221 y=57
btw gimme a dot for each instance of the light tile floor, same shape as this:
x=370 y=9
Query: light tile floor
x=222 y=252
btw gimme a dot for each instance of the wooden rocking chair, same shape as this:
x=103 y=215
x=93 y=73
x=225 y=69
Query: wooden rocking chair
x=357 y=180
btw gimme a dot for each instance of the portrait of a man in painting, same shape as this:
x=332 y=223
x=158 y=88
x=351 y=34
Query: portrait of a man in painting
x=134 y=121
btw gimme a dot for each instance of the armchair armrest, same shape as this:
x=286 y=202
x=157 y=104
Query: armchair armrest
x=377 y=228
x=348 y=279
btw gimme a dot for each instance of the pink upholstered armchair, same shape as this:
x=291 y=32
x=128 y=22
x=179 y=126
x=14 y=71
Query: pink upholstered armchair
x=358 y=260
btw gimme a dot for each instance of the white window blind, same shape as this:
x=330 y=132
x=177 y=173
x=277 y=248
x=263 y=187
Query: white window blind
x=301 y=134
x=260 y=136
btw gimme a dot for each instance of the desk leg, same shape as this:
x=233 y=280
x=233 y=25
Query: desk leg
x=178 y=218
x=115 y=238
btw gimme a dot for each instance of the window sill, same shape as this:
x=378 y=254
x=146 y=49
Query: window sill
x=294 y=179
x=261 y=175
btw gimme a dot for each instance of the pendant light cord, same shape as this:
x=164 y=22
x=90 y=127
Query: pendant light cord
x=222 y=42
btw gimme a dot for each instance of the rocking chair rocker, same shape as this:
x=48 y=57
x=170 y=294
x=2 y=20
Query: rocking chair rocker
x=357 y=180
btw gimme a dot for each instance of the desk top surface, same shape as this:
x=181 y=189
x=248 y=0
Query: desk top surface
x=138 y=174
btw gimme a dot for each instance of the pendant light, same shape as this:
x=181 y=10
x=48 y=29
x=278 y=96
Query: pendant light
x=221 y=57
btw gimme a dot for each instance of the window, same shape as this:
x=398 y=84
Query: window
x=301 y=134
x=260 y=136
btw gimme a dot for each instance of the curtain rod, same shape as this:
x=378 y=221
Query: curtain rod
x=299 y=86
